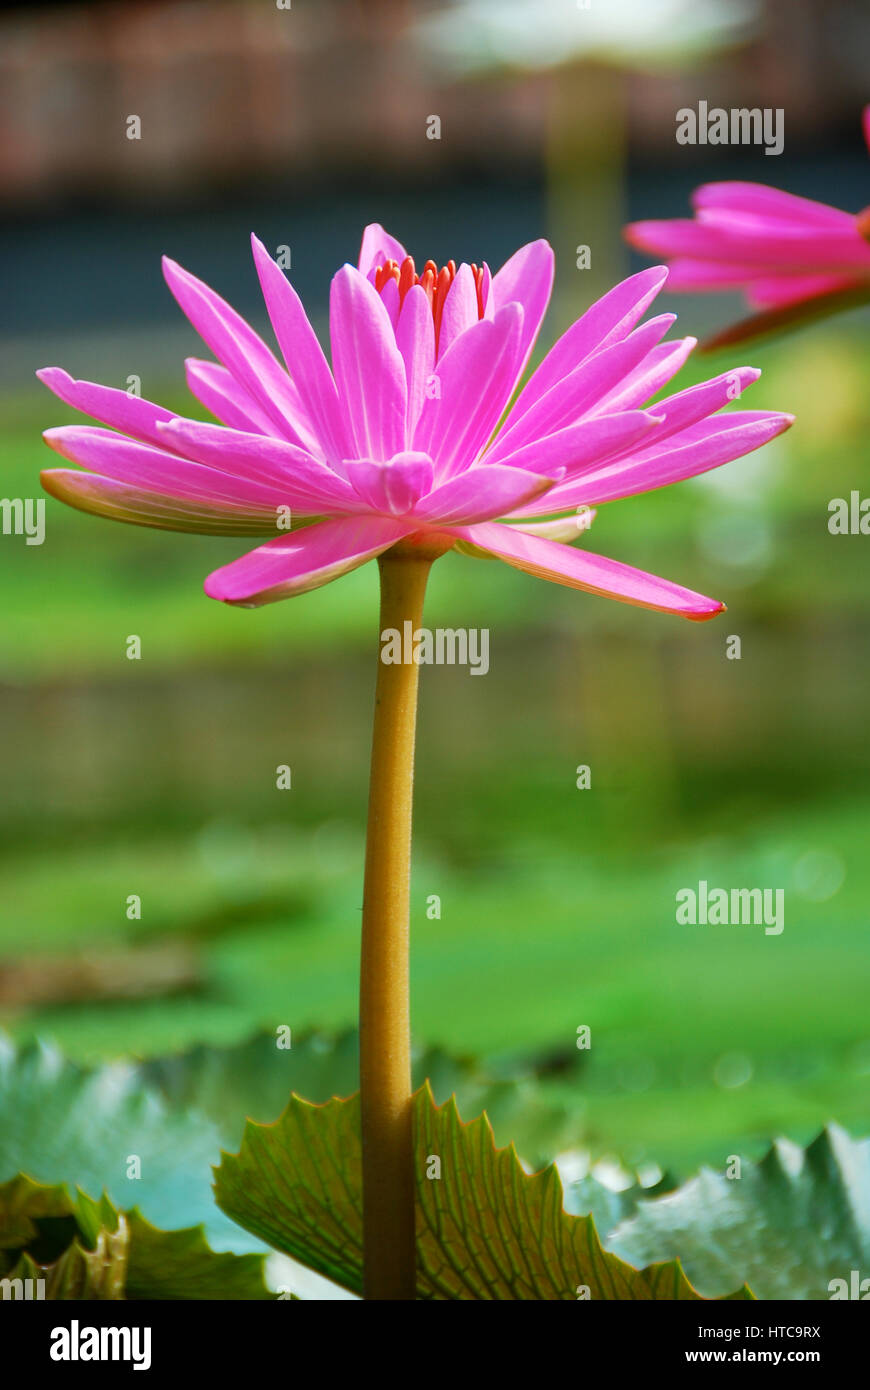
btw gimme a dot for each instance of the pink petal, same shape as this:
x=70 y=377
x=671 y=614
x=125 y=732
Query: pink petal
x=390 y=301
x=368 y=366
x=415 y=339
x=769 y=289
x=481 y=493
x=274 y=463
x=378 y=246
x=655 y=463
x=89 y=492
x=608 y=321
x=589 y=441
x=757 y=200
x=234 y=342
x=460 y=308
x=303 y=560
x=580 y=569
x=695 y=450
x=696 y=403
x=393 y=487
x=775 y=246
x=303 y=355
x=776 y=293
x=217 y=389
x=526 y=279
x=124 y=412
x=581 y=390
x=689 y=273
x=660 y=364
x=475 y=378
x=153 y=470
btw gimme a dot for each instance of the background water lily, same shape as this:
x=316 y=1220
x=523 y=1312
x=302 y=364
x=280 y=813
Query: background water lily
x=793 y=258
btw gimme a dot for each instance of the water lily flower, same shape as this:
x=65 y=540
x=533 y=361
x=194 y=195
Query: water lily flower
x=403 y=440
x=793 y=258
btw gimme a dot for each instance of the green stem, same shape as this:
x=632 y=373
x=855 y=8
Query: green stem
x=384 y=1014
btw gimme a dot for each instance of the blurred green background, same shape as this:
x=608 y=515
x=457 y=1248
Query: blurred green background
x=157 y=777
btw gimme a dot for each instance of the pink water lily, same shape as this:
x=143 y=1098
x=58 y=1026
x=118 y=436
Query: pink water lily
x=403 y=440
x=793 y=258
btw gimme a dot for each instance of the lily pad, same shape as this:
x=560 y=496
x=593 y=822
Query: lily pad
x=791 y=1223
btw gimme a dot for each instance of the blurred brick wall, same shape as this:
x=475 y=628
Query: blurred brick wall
x=229 y=89
x=226 y=88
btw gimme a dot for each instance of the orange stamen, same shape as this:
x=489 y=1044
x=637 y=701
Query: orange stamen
x=434 y=283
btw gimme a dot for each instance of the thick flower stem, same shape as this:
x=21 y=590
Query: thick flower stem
x=385 y=1048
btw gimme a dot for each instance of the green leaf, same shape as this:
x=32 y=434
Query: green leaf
x=88 y=1250
x=485 y=1228
x=180 y=1264
x=790 y=1224
x=60 y=1123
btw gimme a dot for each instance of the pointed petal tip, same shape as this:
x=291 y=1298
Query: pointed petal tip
x=259 y=250
x=706 y=614
x=668 y=318
x=782 y=421
x=172 y=270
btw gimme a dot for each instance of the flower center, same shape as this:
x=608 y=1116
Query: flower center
x=434 y=282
